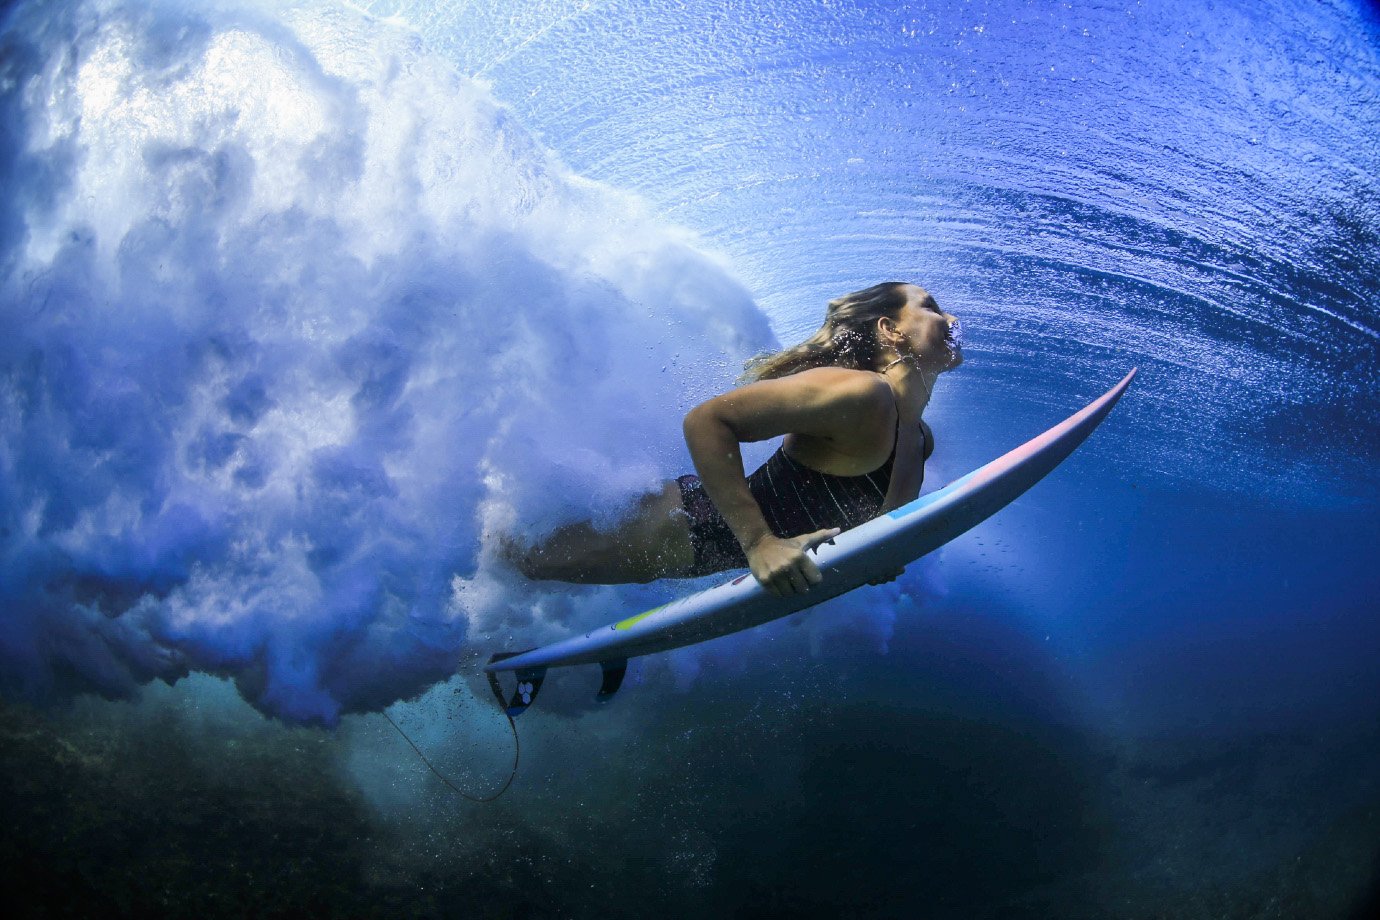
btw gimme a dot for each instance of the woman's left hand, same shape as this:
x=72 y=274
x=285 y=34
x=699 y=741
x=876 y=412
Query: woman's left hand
x=886 y=579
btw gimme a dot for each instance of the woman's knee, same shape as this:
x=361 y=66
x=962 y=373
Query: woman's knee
x=557 y=558
x=653 y=543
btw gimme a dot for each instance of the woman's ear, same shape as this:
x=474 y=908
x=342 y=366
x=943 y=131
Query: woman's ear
x=886 y=329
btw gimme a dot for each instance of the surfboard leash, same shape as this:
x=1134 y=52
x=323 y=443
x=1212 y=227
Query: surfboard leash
x=517 y=756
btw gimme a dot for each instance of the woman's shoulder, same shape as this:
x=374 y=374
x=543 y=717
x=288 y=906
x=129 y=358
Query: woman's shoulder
x=847 y=382
x=856 y=394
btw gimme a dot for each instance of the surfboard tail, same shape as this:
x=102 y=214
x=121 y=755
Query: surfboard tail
x=529 y=681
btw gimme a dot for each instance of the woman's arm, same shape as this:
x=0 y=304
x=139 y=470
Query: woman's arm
x=830 y=403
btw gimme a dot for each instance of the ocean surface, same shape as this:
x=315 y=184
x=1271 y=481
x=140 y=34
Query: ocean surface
x=303 y=305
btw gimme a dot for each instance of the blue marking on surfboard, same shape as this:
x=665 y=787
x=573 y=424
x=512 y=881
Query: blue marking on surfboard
x=925 y=500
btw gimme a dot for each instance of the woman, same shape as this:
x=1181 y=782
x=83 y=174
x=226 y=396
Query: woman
x=849 y=402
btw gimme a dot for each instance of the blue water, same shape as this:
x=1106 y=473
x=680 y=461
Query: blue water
x=302 y=306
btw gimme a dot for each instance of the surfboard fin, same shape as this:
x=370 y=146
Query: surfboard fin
x=528 y=683
x=614 y=669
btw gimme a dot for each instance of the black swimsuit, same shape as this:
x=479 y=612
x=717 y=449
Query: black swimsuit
x=795 y=500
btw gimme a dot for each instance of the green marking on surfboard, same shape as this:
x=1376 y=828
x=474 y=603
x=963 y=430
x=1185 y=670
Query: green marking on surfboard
x=632 y=621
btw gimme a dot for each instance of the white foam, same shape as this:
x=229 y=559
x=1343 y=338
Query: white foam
x=295 y=310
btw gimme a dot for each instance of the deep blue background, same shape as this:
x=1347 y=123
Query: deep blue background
x=1146 y=689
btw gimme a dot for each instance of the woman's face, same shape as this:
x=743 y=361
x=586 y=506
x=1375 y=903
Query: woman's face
x=926 y=332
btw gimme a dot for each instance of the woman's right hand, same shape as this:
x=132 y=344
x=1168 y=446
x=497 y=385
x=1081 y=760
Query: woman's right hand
x=780 y=564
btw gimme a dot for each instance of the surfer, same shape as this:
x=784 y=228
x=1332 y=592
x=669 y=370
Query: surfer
x=849 y=402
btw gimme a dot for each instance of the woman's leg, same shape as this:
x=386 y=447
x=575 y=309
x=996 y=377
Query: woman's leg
x=653 y=542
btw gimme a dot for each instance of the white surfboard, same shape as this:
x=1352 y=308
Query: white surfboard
x=852 y=559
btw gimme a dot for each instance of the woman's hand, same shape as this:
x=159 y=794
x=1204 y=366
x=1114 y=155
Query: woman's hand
x=887 y=579
x=781 y=565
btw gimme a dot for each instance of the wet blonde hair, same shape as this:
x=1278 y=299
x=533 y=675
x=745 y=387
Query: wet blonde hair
x=848 y=337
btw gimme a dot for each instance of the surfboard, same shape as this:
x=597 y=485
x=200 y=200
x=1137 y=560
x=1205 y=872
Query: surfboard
x=852 y=559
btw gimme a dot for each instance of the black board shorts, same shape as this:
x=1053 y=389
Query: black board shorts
x=716 y=549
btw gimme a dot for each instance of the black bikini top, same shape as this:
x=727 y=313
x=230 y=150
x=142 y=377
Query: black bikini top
x=797 y=499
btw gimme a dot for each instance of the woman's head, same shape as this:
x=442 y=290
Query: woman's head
x=865 y=329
